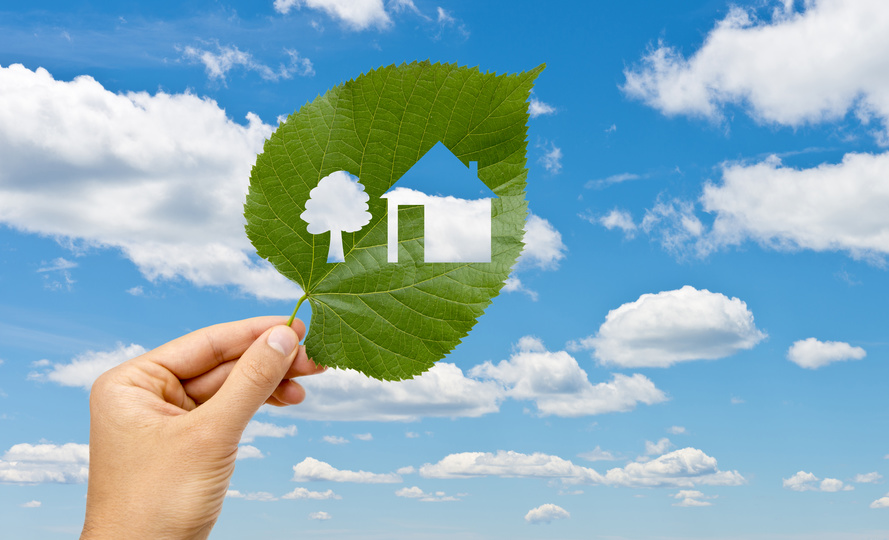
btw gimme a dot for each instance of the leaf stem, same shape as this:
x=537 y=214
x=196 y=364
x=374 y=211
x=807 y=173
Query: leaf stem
x=299 y=303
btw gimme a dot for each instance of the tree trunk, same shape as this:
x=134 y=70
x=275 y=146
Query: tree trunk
x=335 y=253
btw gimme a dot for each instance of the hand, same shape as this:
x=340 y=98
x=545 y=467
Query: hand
x=164 y=427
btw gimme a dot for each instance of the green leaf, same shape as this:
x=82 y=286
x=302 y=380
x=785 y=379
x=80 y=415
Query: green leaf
x=392 y=321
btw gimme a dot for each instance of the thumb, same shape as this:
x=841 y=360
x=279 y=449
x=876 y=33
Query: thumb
x=255 y=376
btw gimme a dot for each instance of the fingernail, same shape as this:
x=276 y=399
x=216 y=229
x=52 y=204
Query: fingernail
x=282 y=339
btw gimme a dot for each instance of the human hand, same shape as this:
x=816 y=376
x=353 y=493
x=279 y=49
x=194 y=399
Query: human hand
x=165 y=426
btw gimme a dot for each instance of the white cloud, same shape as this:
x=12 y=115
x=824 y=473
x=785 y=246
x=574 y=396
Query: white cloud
x=882 y=502
x=543 y=245
x=597 y=454
x=45 y=463
x=320 y=516
x=685 y=467
x=417 y=493
x=264 y=429
x=332 y=439
x=355 y=14
x=31 y=504
x=161 y=177
x=868 y=478
x=659 y=330
x=658 y=448
x=507 y=464
x=805 y=481
x=546 y=513
x=813 y=354
x=806 y=67
x=514 y=284
x=825 y=208
x=228 y=57
x=558 y=385
x=364 y=436
x=262 y=496
x=551 y=159
x=303 y=493
x=538 y=108
x=412 y=435
x=246 y=451
x=310 y=469
x=692 y=498
x=85 y=368
x=618 y=219
x=675 y=225
x=58 y=269
x=676 y=430
x=613 y=179
x=347 y=395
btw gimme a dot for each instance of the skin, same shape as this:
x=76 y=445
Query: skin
x=165 y=426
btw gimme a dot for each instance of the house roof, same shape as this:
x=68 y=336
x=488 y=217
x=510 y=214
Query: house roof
x=439 y=172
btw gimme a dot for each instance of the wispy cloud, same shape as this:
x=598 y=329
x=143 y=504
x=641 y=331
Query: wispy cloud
x=225 y=58
x=551 y=158
x=56 y=274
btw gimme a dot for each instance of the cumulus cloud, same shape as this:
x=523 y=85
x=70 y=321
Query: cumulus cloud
x=830 y=207
x=85 y=368
x=659 y=330
x=543 y=245
x=45 y=463
x=692 y=498
x=246 y=451
x=354 y=14
x=686 y=467
x=553 y=380
x=417 y=493
x=868 y=478
x=443 y=391
x=616 y=219
x=31 y=504
x=160 y=177
x=882 y=502
x=546 y=513
x=676 y=430
x=310 y=469
x=806 y=481
x=303 y=493
x=265 y=429
x=813 y=354
x=228 y=57
x=364 y=436
x=320 y=516
x=801 y=67
x=507 y=464
x=538 y=108
x=558 y=385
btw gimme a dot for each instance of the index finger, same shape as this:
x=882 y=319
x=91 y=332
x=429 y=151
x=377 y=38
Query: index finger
x=202 y=350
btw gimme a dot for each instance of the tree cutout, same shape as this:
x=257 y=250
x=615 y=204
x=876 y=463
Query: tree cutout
x=337 y=204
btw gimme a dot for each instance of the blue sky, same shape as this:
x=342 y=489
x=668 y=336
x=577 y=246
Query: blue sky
x=692 y=346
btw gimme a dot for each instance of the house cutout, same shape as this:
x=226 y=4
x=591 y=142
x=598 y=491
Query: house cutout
x=456 y=206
